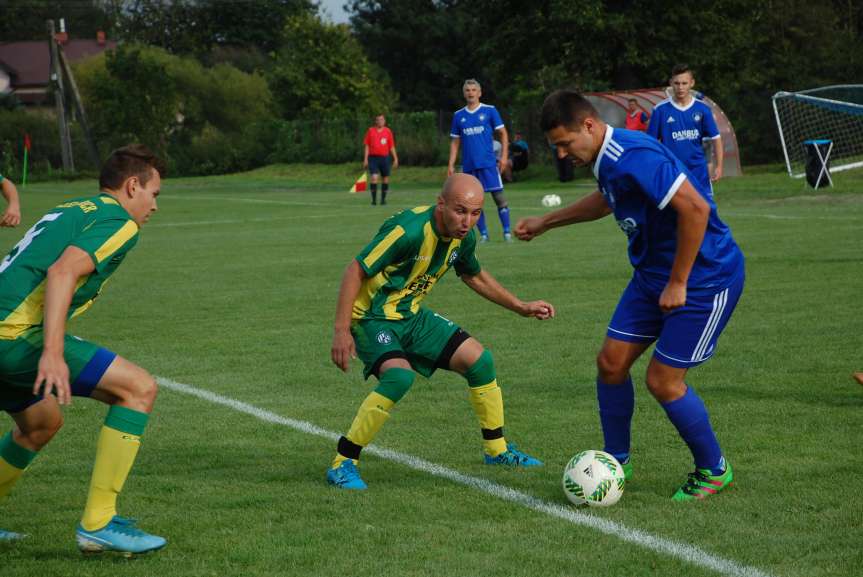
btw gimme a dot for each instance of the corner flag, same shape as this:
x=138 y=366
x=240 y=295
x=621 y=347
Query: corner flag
x=26 y=157
x=360 y=184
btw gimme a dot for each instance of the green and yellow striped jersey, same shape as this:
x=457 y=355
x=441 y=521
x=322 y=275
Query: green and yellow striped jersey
x=405 y=260
x=97 y=225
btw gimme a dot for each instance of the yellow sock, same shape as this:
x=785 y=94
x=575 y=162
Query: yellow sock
x=115 y=454
x=371 y=416
x=8 y=477
x=14 y=460
x=116 y=450
x=487 y=401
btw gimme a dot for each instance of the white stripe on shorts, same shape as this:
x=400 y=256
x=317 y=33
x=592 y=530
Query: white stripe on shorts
x=719 y=301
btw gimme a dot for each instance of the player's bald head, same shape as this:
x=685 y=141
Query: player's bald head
x=462 y=188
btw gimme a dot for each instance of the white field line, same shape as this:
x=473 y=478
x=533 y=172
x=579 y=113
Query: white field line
x=687 y=553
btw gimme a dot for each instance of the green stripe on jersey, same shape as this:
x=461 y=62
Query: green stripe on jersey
x=97 y=225
x=405 y=260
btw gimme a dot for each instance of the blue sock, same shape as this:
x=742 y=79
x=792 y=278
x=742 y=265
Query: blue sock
x=480 y=224
x=504 y=218
x=689 y=416
x=616 y=405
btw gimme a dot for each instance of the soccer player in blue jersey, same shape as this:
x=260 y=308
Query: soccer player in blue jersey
x=687 y=280
x=473 y=129
x=682 y=122
x=55 y=273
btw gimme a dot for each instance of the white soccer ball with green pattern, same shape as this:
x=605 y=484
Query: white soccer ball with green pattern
x=551 y=200
x=594 y=478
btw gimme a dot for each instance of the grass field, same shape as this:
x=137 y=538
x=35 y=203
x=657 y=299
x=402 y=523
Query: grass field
x=231 y=291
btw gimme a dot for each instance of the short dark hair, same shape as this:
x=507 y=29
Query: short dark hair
x=128 y=161
x=680 y=69
x=565 y=108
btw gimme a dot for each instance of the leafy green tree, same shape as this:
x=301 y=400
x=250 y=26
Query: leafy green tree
x=322 y=68
x=175 y=105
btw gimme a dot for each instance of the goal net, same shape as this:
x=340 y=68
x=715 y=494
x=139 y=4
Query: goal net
x=832 y=113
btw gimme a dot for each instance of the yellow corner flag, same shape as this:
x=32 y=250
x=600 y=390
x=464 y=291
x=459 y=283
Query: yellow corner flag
x=360 y=184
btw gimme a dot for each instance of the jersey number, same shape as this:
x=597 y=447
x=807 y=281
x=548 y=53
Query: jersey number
x=34 y=231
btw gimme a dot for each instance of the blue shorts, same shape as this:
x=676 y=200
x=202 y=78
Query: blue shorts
x=685 y=337
x=489 y=177
x=702 y=178
x=379 y=165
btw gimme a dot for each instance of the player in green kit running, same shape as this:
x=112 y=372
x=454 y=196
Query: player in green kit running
x=379 y=319
x=53 y=274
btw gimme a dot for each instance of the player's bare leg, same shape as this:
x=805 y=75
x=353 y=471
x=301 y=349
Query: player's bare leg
x=374 y=187
x=859 y=377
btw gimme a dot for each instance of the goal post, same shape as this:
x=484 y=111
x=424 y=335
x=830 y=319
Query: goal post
x=832 y=113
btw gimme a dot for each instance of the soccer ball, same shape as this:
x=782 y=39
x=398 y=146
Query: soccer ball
x=550 y=200
x=594 y=478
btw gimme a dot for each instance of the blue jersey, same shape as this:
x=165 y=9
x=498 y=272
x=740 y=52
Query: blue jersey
x=638 y=177
x=682 y=129
x=476 y=130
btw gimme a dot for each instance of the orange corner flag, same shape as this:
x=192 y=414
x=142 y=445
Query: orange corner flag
x=360 y=184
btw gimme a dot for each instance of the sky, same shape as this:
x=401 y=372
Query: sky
x=333 y=8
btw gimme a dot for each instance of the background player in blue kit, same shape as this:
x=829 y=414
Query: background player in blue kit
x=688 y=278
x=473 y=127
x=682 y=122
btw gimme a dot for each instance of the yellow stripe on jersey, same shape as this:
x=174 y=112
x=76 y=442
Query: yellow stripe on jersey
x=419 y=209
x=26 y=315
x=31 y=311
x=421 y=265
x=383 y=246
x=108 y=200
x=117 y=240
x=369 y=288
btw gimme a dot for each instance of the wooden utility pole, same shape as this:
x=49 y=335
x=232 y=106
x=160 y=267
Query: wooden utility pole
x=79 y=108
x=60 y=101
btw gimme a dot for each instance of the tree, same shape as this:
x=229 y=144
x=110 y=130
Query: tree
x=25 y=19
x=321 y=68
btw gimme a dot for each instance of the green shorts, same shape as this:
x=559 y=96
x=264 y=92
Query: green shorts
x=427 y=340
x=19 y=365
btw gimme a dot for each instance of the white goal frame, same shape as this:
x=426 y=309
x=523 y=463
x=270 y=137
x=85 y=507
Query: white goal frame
x=844 y=157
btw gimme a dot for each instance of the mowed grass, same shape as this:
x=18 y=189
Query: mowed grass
x=232 y=289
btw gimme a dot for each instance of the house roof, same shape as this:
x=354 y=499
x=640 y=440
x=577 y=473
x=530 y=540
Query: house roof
x=29 y=62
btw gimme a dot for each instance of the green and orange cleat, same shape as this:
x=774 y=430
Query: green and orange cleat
x=701 y=484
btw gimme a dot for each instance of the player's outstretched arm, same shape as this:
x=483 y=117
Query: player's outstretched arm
x=590 y=207
x=692 y=215
x=12 y=215
x=720 y=159
x=62 y=277
x=504 y=149
x=343 y=349
x=487 y=286
x=453 y=154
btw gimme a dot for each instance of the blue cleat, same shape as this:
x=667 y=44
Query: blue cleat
x=347 y=476
x=512 y=457
x=120 y=535
x=10 y=536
